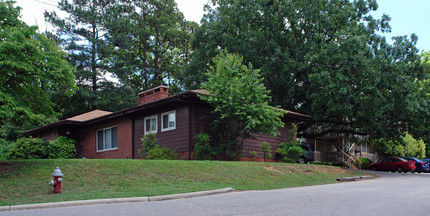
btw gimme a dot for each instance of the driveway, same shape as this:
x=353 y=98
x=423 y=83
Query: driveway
x=389 y=194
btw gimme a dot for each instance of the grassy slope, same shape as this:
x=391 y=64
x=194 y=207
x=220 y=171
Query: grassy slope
x=27 y=181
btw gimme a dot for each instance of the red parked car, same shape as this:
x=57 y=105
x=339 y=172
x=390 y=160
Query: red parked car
x=394 y=164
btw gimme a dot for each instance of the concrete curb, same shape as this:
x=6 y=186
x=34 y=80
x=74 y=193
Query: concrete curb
x=114 y=200
x=355 y=178
x=192 y=194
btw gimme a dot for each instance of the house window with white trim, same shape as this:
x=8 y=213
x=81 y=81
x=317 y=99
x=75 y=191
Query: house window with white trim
x=151 y=124
x=107 y=138
x=168 y=121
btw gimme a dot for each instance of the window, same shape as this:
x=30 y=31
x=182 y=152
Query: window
x=151 y=124
x=168 y=121
x=107 y=139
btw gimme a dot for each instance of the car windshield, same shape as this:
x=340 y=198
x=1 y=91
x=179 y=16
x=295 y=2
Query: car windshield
x=403 y=159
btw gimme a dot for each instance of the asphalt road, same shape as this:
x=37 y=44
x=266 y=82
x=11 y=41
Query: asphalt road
x=389 y=194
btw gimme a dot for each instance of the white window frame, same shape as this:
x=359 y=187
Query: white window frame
x=104 y=143
x=162 y=121
x=156 y=124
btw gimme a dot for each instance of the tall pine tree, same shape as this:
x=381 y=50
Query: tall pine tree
x=84 y=35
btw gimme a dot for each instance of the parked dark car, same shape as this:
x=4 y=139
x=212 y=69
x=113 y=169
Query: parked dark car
x=309 y=155
x=426 y=160
x=421 y=165
x=394 y=164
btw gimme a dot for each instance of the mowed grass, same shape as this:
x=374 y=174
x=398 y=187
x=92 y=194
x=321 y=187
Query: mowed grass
x=26 y=181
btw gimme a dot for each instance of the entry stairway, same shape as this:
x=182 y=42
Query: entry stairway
x=350 y=159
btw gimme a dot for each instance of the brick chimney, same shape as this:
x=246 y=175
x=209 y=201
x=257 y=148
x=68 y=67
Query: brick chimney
x=153 y=94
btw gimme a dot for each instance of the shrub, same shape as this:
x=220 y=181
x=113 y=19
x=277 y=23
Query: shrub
x=62 y=148
x=267 y=150
x=152 y=151
x=253 y=154
x=365 y=162
x=289 y=160
x=203 y=150
x=28 y=148
x=327 y=163
x=316 y=163
x=4 y=148
x=291 y=150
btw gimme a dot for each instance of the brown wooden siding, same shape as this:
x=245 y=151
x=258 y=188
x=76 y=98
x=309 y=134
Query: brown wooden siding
x=200 y=121
x=254 y=144
x=177 y=139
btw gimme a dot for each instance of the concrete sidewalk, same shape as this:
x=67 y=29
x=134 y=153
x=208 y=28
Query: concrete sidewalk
x=114 y=200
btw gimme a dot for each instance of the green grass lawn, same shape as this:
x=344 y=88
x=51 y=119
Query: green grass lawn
x=27 y=181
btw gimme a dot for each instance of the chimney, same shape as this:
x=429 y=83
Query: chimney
x=153 y=94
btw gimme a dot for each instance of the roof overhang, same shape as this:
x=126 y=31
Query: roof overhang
x=189 y=97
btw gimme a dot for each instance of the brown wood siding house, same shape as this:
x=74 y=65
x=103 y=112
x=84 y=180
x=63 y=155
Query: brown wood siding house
x=175 y=120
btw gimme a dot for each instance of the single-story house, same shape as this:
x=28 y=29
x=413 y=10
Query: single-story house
x=175 y=120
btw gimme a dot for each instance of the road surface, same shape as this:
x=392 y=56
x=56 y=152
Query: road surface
x=389 y=194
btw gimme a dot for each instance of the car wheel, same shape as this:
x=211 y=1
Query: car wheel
x=399 y=169
x=374 y=168
x=302 y=160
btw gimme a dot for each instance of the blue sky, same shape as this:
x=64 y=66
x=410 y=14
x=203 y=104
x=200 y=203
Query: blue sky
x=407 y=17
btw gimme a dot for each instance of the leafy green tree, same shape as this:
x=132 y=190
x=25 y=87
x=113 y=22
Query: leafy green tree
x=33 y=69
x=423 y=130
x=240 y=102
x=406 y=146
x=322 y=58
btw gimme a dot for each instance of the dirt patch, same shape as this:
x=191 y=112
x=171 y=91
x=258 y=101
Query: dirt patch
x=274 y=169
x=329 y=170
x=310 y=169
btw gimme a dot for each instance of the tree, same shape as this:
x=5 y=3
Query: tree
x=33 y=68
x=423 y=130
x=405 y=146
x=322 y=58
x=83 y=33
x=240 y=102
x=152 y=45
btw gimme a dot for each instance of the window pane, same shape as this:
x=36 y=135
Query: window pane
x=165 y=121
x=147 y=125
x=114 y=137
x=171 y=120
x=153 y=124
x=100 y=140
x=108 y=139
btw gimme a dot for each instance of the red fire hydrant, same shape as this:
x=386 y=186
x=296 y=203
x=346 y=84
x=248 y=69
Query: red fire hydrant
x=57 y=183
